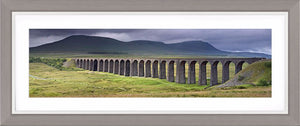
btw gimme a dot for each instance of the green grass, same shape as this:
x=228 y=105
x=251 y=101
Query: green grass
x=46 y=81
x=261 y=73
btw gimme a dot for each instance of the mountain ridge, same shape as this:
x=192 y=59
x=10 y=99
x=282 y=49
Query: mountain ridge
x=86 y=44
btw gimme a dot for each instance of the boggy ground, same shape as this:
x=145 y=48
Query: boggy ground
x=46 y=81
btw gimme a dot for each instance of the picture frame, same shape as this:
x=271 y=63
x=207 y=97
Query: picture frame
x=8 y=6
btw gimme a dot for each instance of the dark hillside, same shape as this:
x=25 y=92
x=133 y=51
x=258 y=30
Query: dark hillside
x=104 y=45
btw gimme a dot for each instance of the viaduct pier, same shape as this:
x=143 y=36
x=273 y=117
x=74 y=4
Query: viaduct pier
x=156 y=67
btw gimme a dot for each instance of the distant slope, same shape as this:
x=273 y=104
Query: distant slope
x=249 y=54
x=81 y=43
x=196 y=46
x=253 y=74
x=105 y=45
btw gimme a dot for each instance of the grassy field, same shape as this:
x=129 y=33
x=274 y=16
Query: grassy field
x=46 y=81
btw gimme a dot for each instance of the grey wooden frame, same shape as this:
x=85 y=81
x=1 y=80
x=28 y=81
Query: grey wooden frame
x=7 y=6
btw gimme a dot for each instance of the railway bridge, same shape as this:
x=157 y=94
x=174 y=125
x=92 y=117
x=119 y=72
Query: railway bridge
x=156 y=67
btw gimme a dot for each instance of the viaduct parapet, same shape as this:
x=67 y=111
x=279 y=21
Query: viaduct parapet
x=156 y=67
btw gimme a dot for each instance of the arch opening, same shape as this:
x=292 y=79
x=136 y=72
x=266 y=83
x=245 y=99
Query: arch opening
x=77 y=63
x=127 y=68
x=162 y=70
x=81 y=64
x=101 y=65
x=111 y=66
x=155 y=69
x=192 y=72
x=225 y=71
x=170 y=73
x=91 y=65
x=121 y=71
x=116 y=68
x=214 y=73
x=239 y=66
x=87 y=64
x=148 y=69
x=134 y=68
x=84 y=64
x=106 y=66
x=202 y=73
x=95 y=65
x=141 y=68
x=180 y=72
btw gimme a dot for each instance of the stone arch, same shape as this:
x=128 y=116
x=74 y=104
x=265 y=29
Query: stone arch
x=180 y=72
x=134 y=68
x=148 y=68
x=162 y=69
x=91 y=64
x=84 y=64
x=101 y=65
x=155 y=69
x=192 y=72
x=95 y=64
x=141 y=68
x=122 y=69
x=81 y=63
x=239 y=66
x=87 y=64
x=106 y=65
x=116 y=67
x=170 y=76
x=202 y=73
x=111 y=66
x=127 y=68
x=214 y=73
x=225 y=71
x=77 y=63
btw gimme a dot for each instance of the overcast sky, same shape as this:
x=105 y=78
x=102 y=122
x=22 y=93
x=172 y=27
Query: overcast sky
x=248 y=40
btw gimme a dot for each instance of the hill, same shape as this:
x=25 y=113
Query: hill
x=258 y=73
x=104 y=45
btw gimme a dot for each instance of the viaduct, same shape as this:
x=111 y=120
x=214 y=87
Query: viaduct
x=141 y=67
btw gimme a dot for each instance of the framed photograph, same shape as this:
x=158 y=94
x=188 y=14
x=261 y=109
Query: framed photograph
x=95 y=61
x=145 y=64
